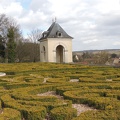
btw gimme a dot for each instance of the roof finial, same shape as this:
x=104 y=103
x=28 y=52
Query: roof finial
x=55 y=19
x=52 y=20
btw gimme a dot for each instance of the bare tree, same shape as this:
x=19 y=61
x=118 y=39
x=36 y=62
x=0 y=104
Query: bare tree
x=26 y=51
x=34 y=36
x=101 y=57
x=5 y=24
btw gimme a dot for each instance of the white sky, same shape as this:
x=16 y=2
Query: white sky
x=94 y=24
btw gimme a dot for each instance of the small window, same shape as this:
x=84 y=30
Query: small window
x=59 y=34
x=44 y=35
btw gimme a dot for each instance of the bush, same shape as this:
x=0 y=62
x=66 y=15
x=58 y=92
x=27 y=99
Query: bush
x=28 y=112
x=10 y=114
x=48 y=105
x=99 y=115
x=63 y=113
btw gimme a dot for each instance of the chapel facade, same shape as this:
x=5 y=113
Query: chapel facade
x=55 y=45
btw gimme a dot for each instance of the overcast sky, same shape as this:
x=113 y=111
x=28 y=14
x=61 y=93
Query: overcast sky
x=94 y=24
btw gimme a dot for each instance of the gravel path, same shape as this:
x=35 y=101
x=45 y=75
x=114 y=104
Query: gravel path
x=74 y=80
x=2 y=74
x=71 y=80
x=45 y=79
x=50 y=93
x=80 y=107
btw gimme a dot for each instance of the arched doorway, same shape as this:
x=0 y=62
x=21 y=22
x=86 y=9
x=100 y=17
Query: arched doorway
x=44 y=54
x=59 y=54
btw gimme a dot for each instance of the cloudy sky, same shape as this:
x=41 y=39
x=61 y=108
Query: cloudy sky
x=94 y=24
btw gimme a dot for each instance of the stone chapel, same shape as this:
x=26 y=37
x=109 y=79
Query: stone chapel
x=55 y=45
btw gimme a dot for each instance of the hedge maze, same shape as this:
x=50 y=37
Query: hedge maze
x=23 y=91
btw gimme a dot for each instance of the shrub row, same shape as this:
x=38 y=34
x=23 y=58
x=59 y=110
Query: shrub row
x=27 y=112
x=48 y=105
x=10 y=114
x=58 y=80
x=99 y=115
x=93 y=99
x=32 y=93
x=93 y=89
x=63 y=113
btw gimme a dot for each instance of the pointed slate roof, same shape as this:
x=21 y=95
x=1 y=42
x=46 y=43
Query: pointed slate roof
x=55 y=31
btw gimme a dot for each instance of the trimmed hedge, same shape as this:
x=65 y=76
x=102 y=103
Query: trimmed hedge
x=27 y=112
x=99 y=115
x=58 y=80
x=93 y=99
x=10 y=114
x=63 y=113
x=48 y=105
x=98 y=87
x=30 y=93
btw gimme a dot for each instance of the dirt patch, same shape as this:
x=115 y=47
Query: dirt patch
x=2 y=74
x=45 y=79
x=74 y=80
x=50 y=93
x=81 y=108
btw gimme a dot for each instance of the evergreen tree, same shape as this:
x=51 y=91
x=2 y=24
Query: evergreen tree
x=10 y=31
x=2 y=48
x=11 y=45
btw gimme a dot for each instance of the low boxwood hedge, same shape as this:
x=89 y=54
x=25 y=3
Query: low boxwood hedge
x=63 y=113
x=10 y=114
x=99 y=115
x=28 y=112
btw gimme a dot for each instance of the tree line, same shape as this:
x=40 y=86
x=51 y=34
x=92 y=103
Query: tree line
x=13 y=46
x=95 y=58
